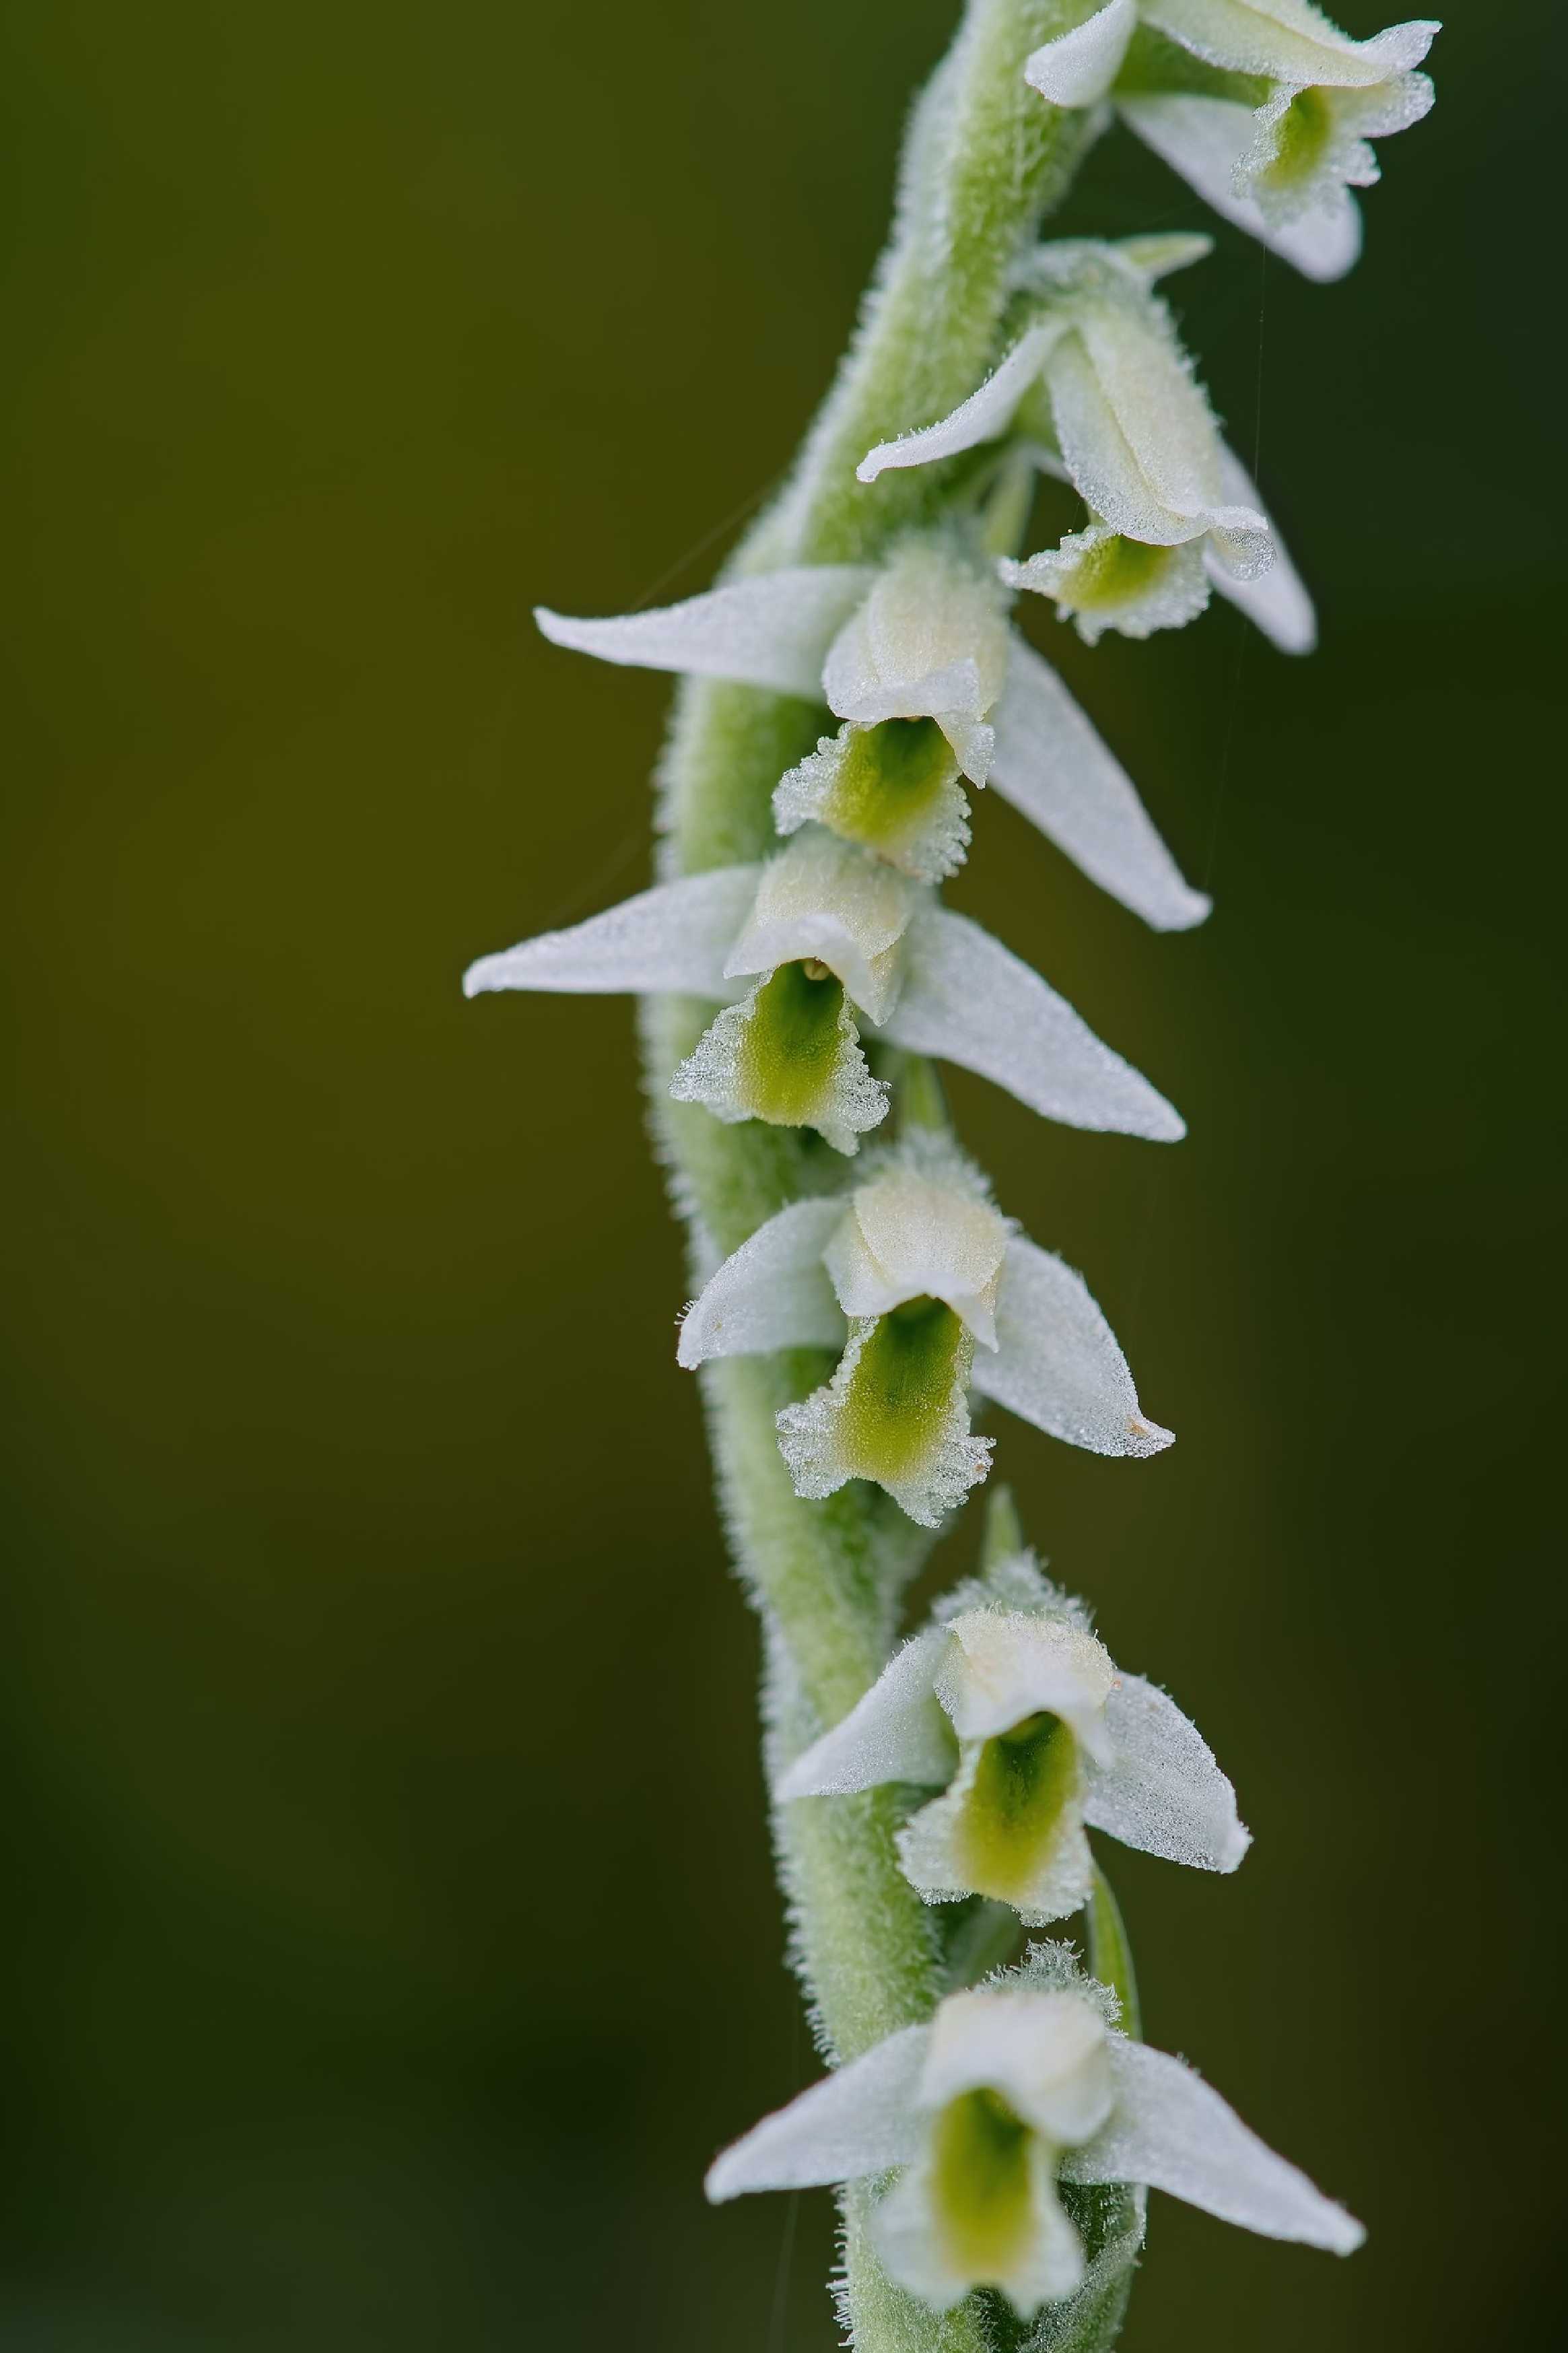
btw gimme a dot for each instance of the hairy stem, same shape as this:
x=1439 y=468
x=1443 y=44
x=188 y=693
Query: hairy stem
x=984 y=157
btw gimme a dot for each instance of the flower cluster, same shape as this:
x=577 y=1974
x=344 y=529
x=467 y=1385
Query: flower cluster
x=1264 y=107
x=897 y=1299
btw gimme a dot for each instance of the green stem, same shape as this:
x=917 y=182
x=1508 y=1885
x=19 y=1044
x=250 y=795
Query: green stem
x=983 y=158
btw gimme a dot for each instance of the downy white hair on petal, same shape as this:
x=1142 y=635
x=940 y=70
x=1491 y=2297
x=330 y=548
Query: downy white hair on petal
x=791 y=1049
x=1011 y=2088
x=1015 y=1710
x=937 y=1293
x=1270 y=120
x=1134 y=432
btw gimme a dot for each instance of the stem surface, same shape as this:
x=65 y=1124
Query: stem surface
x=984 y=156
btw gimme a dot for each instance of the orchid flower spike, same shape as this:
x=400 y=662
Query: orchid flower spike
x=1010 y=2091
x=917 y=660
x=929 y=1292
x=817 y=934
x=1098 y=386
x=1012 y=1707
x=1264 y=107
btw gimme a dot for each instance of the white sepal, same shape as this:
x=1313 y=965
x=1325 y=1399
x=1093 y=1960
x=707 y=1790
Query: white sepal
x=1135 y=431
x=939 y=2231
x=859 y=2120
x=1204 y=139
x=924 y=1226
x=967 y=999
x=772 y=629
x=985 y=413
x=1054 y=768
x=930 y=641
x=1276 y=602
x=826 y=899
x=1288 y=40
x=1158 y=1788
x=1003 y=1665
x=1057 y=1364
x=675 y=936
x=772 y=1293
x=1170 y=2130
x=895 y=1732
x=1078 y=68
x=1045 y=2053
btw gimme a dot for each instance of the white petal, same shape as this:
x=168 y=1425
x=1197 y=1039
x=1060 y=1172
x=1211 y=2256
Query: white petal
x=1051 y=765
x=917 y=1230
x=936 y=1854
x=773 y=1292
x=1163 y=1791
x=841 y=1433
x=1047 y=2053
x=924 y=833
x=896 y=1732
x=985 y=413
x=1007 y=1664
x=725 y=1072
x=918 y=2248
x=969 y=1000
x=1288 y=40
x=860 y=2120
x=1057 y=1362
x=829 y=898
x=1204 y=138
x=772 y=629
x=1290 y=186
x=1134 y=428
x=1276 y=602
x=1087 y=575
x=928 y=642
x=1078 y=68
x=675 y=936
x=1170 y=2130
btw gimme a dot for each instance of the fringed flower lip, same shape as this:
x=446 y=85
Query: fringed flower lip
x=1135 y=433
x=1102 y=396
x=913 y=651
x=829 y=926
x=929 y=1294
x=1264 y=107
x=1012 y=2089
x=1012 y=1707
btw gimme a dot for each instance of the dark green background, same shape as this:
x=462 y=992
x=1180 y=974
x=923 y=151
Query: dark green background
x=390 y=1938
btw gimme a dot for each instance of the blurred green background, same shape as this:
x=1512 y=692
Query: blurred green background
x=391 y=1937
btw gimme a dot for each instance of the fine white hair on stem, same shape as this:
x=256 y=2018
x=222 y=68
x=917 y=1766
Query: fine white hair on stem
x=850 y=689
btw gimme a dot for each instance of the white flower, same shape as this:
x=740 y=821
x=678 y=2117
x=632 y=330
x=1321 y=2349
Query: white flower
x=930 y=1293
x=918 y=663
x=839 y=921
x=1011 y=2089
x=1013 y=1708
x=1135 y=433
x=1102 y=581
x=1270 y=122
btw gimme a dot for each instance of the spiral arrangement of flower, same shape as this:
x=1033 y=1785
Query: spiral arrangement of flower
x=990 y=2114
